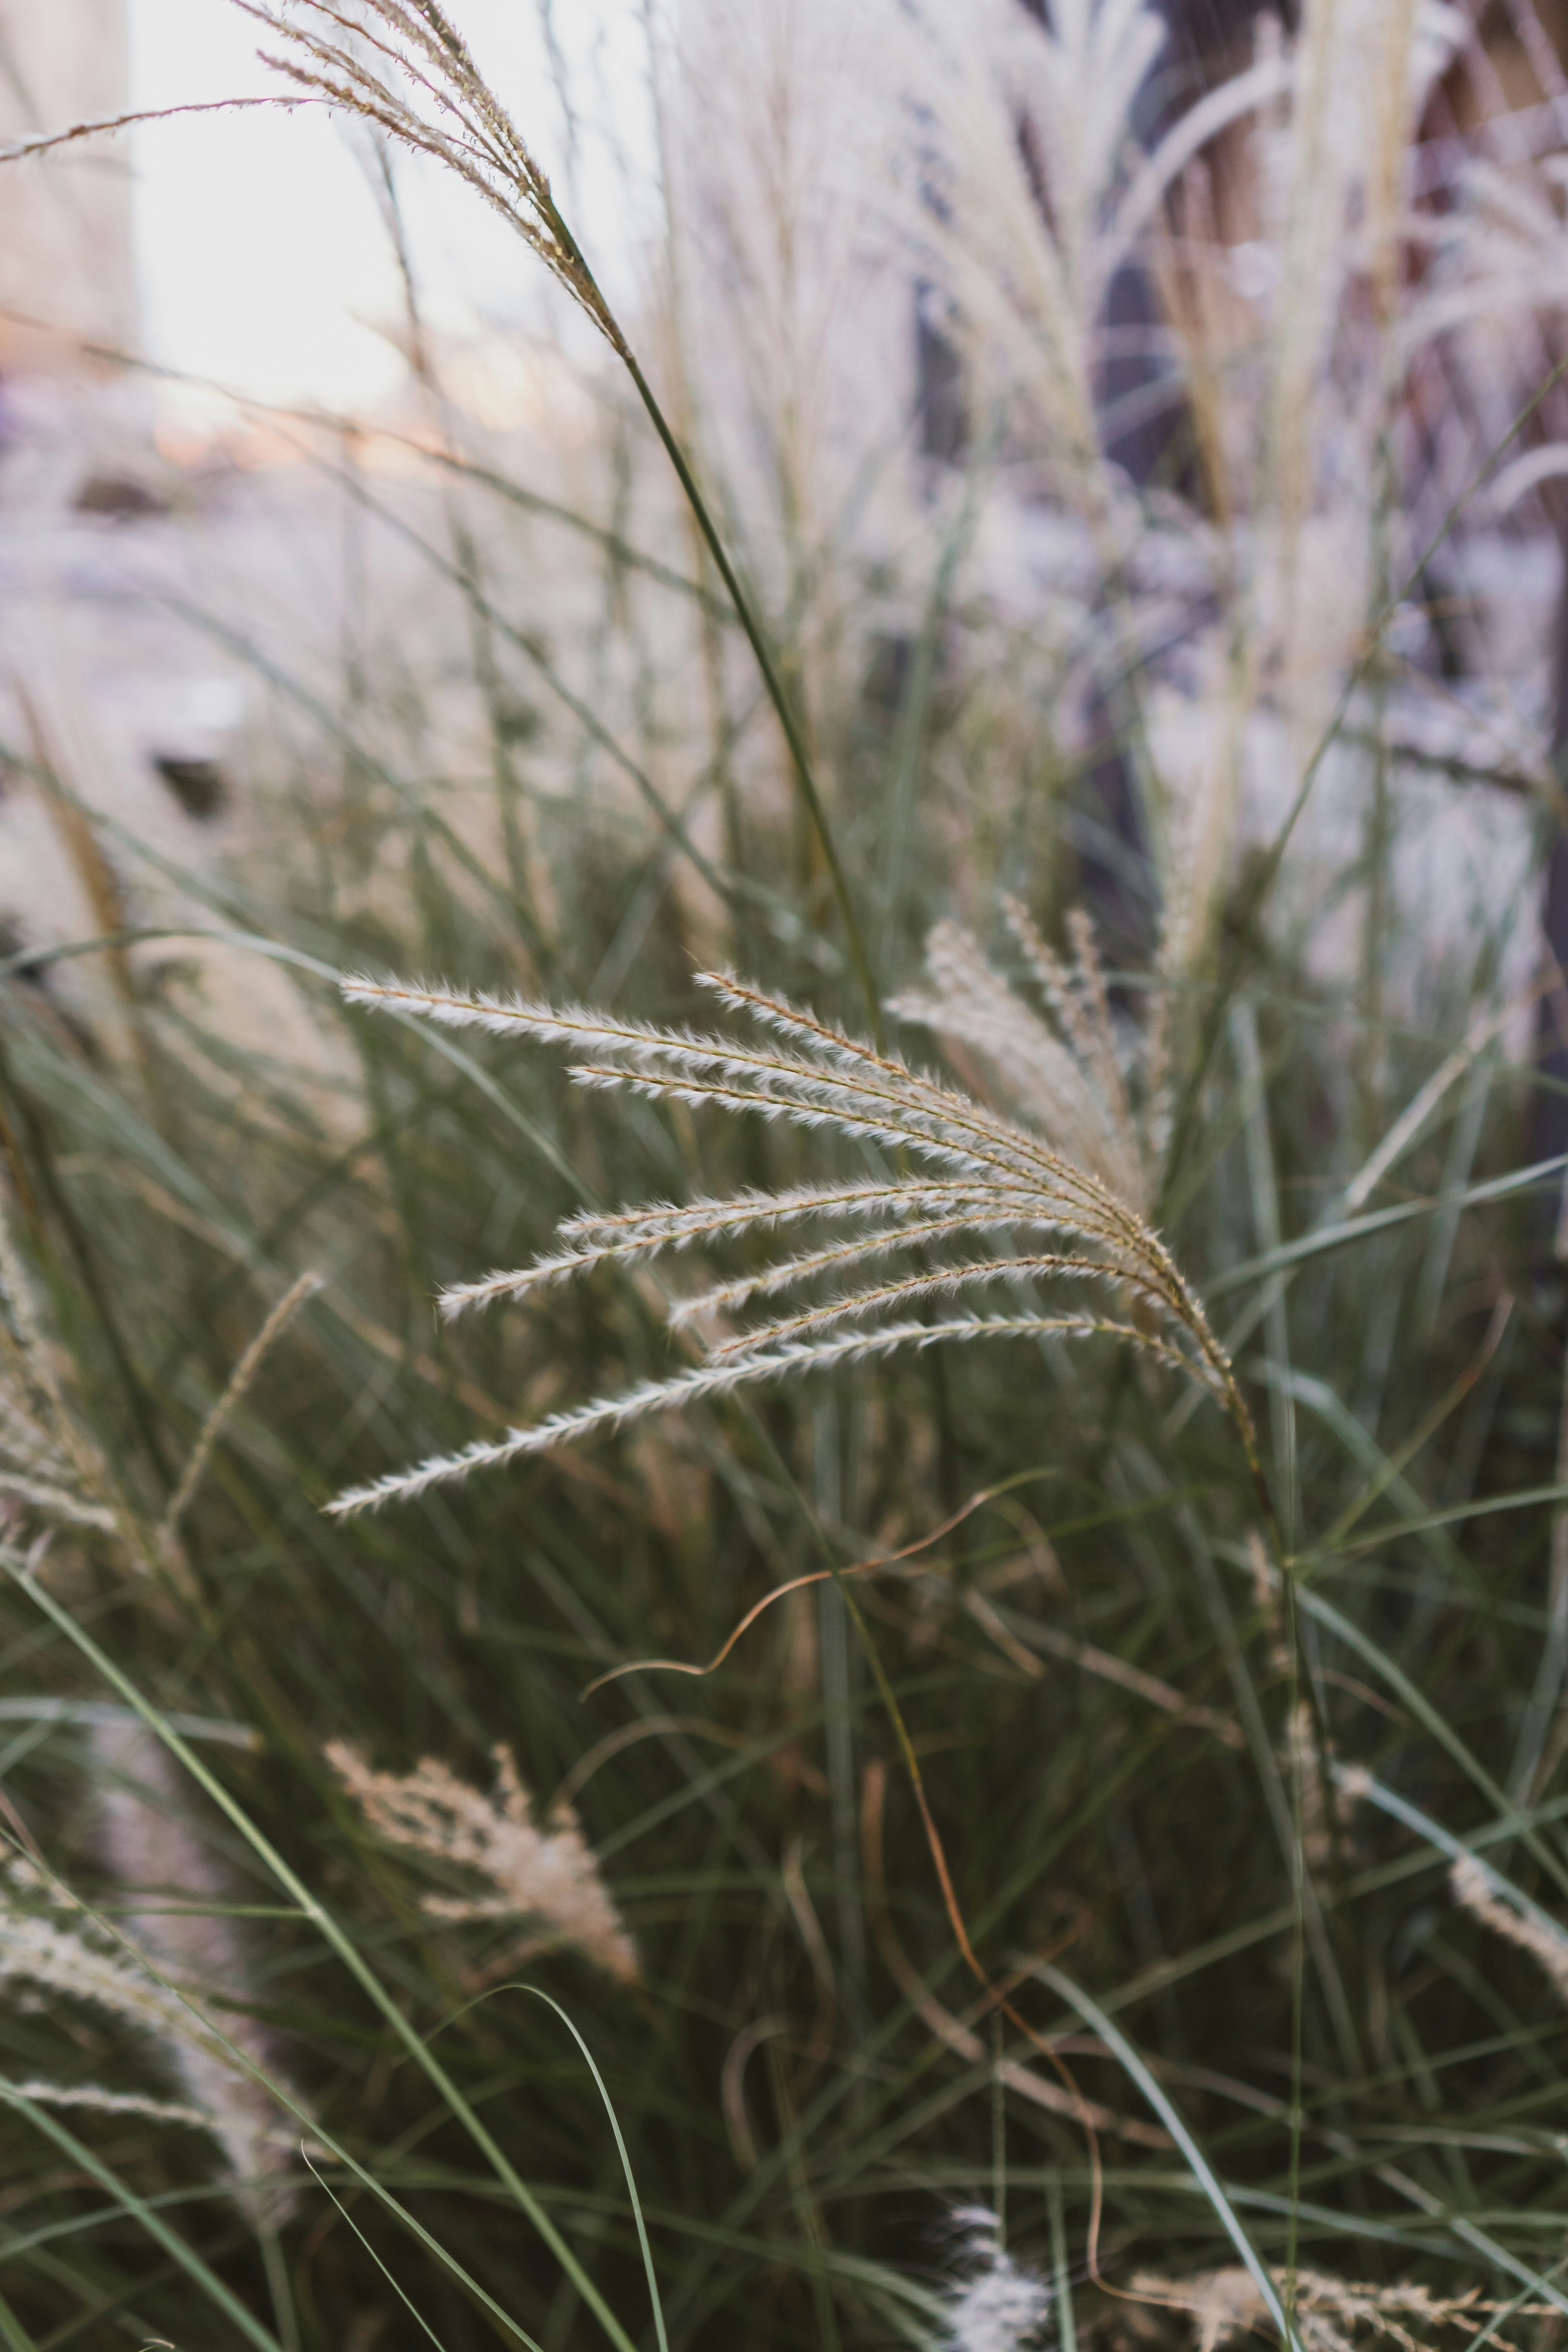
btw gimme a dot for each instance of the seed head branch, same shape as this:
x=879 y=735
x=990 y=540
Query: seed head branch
x=993 y=1175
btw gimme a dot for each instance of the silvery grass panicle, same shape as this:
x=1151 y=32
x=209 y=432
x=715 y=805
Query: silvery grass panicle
x=547 y=1875
x=984 y=1200
x=1021 y=201
x=404 y=66
x=159 y=1975
x=151 y=1842
x=1068 y=1078
x=998 y=2305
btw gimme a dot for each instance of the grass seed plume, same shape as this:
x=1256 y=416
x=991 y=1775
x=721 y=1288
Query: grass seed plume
x=69 y=1954
x=988 y=1176
x=548 y=1876
x=997 y=2304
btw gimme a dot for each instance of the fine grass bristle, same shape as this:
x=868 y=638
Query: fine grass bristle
x=1002 y=1177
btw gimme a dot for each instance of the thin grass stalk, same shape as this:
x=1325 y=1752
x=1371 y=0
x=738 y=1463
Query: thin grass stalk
x=497 y=148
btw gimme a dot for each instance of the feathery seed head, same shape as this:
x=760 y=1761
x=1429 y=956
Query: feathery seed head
x=81 y=1962
x=998 y=2305
x=151 y=1843
x=403 y=66
x=995 y=1202
x=1026 y=132
x=549 y=1875
x=1070 y=1082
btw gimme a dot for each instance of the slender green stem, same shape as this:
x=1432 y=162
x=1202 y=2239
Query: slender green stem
x=745 y=612
x=788 y=716
x=316 y=1912
x=1297 y=1948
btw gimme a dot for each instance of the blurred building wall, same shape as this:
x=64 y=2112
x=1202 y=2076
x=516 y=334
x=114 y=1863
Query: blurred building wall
x=66 y=256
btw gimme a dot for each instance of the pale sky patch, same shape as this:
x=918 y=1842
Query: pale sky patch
x=264 y=263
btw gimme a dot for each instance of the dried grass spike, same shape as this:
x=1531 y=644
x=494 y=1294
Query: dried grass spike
x=997 y=1177
x=548 y=1876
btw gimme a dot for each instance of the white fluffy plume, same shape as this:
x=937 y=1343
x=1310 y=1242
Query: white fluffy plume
x=998 y=2305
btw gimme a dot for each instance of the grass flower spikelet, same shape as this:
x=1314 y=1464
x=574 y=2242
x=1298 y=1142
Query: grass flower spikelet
x=999 y=2305
x=1078 y=1175
x=549 y=1875
x=1476 y=1891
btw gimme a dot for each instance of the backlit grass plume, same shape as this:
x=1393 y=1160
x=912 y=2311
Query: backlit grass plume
x=404 y=66
x=970 y=1201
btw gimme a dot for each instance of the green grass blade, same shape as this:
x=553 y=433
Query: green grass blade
x=1202 y=2173
x=153 y=2224
x=346 y=1951
x=536 y=1993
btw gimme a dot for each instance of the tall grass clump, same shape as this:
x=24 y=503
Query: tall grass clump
x=932 y=1712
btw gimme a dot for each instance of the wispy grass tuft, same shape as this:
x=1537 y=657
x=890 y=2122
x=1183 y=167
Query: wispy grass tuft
x=999 y=1177
x=548 y=1876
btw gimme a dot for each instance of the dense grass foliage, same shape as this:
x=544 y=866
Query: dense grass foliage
x=1073 y=1837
